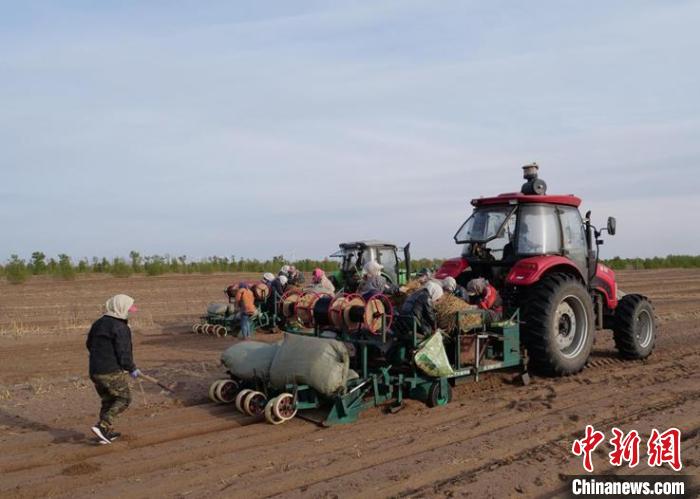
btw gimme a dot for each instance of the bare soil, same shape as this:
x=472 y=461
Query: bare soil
x=496 y=439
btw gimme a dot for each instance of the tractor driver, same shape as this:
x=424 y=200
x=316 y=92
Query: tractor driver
x=484 y=296
x=526 y=245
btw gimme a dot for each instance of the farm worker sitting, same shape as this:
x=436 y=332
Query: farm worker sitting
x=373 y=282
x=111 y=357
x=449 y=286
x=424 y=275
x=419 y=307
x=295 y=277
x=321 y=283
x=245 y=303
x=484 y=295
x=284 y=270
x=277 y=290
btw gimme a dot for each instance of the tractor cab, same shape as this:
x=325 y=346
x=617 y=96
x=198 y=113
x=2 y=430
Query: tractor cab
x=513 y=237
x=354 y=255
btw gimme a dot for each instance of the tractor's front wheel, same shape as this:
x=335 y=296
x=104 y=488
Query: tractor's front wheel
x=558 y=324
x=634 y=329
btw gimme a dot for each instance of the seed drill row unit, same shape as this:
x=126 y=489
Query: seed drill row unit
x=383 y=346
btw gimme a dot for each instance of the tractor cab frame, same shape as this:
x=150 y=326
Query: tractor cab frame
x=354 y=255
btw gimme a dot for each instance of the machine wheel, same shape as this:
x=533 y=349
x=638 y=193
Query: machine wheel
x=634 y=329
x=434 y=398
x=238 y=401
x=269 y=416
x=254 y=403
x=226 y=391
x=212 y=391
x=558 y=324
x=284 y=407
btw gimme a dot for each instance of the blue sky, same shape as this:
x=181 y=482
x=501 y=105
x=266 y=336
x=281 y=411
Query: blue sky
x=265 y=128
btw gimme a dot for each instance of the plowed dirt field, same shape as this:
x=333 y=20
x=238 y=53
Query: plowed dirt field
x=496 y=439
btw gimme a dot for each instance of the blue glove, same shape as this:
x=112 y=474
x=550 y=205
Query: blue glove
x=135 y=373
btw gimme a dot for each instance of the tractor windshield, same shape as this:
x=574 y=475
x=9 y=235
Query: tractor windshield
x=485 y=224
x=352 y=258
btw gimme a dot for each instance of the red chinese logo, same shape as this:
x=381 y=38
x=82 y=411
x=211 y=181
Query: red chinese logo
x=625 y=448
x=665 y=448
x=587 y=445
x=662 y=448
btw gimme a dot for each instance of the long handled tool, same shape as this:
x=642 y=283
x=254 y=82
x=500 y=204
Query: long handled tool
x=170 y=388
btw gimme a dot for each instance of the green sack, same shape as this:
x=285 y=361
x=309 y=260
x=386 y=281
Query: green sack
x=431 y=357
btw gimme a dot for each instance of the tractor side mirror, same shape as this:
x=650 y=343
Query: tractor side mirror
x=612 y=225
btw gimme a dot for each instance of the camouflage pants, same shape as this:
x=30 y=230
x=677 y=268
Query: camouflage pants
x=113 y=389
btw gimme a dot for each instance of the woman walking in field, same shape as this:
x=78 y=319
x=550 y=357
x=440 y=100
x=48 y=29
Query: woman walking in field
x=111 y=358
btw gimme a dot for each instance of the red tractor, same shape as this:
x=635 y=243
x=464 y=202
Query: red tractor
x=542 y=256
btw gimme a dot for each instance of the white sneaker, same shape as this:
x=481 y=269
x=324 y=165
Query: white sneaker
x=101 y=435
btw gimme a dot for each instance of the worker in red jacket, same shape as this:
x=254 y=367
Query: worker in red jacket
x=484 y=295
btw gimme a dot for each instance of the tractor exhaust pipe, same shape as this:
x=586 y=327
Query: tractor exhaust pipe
x=534 y=185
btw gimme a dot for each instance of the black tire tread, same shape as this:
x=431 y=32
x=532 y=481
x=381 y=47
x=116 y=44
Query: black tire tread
x=623 y=332
x=535 y=306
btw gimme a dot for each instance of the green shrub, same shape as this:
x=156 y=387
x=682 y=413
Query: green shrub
x=16 y=271
x=120 y=268
x=64 y=269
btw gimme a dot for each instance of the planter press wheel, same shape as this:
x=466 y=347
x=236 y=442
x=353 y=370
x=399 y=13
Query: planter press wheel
x=284 y=407
x=379 y=309
x=198 y=328
x=352 y=301
x=195 y=326
x=335 y=311
x=238 y=401
x=269 y=416
x=220 y=331
x=212 y=390
x=254 y=403
x=288 y=303
x=207 y=329
x=305 y=308
x=226 y=391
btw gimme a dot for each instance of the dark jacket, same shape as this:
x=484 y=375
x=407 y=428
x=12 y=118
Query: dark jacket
x=276 y=292
x=109 y=343
x=418 y=307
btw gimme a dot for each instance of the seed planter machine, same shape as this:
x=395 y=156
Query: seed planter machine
x=385 y=352
x=223 y=319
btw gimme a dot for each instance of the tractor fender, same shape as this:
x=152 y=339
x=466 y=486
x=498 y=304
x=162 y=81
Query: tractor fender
x=604 y=282
x=452 y=268
x=528 y=271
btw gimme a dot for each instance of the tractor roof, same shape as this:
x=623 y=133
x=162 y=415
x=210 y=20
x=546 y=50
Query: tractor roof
x=367 y=243
x=517 y=197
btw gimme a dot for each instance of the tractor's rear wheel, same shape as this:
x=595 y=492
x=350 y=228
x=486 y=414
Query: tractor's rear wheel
x=558 y=327
x=634 y=329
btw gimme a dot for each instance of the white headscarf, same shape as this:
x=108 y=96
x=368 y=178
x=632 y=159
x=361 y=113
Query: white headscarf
x=372 y=268
x=118 y=306
x=434 y=290
x=268 y=277
x=449 y=284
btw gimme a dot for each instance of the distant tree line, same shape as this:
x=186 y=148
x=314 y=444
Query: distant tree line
x=17 y=270
x=665 y=262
